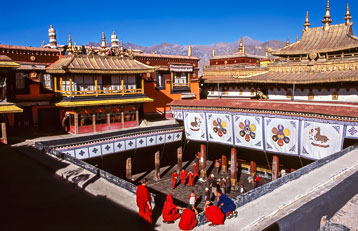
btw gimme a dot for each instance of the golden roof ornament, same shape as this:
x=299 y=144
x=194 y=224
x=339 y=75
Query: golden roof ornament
x=75 y=49
x=327 y=17
x=213 y=52
x=103 y=49
x=348 y=16
x=297 y=38
x=90 y=51
x=288 y=41
x=307 y=22
x=189 y=50
x=69 y=46
x=241 y=47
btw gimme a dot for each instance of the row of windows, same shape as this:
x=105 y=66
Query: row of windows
x=101 y=118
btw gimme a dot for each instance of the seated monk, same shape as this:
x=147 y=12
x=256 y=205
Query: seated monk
x=170 y=211
x=213 y=214
x=188 y=218
x=226 y=204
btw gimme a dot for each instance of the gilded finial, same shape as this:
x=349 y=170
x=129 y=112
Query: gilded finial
x=75 y=49
x=90 y=51
x=288 y=41
x=297 y=38
x=307 y=22
x=122 y=45
x=189 y=50
x=242 y=46
x=103 y=49
x=213 y=52
x=69 y=46
x=327 y=17
x=266 y=51
x=348 y=16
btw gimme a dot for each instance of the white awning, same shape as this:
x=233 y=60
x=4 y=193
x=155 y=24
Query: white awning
x=181 y=68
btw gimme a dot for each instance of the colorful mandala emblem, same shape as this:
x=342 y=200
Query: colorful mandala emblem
x=248 y=130
x=281 y=135
x=219 y=127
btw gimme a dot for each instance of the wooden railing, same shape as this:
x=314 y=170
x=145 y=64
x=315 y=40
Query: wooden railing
x=97 y=91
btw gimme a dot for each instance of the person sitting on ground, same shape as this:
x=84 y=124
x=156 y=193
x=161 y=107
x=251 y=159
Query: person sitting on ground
x=170 y=211
x=188 y=218
x=213 y=214
x=192 y=198
x=226 y=204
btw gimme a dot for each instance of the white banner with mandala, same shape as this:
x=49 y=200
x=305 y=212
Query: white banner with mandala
x=195 y=126
x=352 y=132
x=319 y=140
x=281 y=135
x=248 y=131
x=220 y=128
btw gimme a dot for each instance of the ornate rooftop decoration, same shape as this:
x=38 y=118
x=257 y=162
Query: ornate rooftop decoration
x=327 y=17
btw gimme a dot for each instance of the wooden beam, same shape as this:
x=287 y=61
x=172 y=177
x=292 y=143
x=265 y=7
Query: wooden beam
x=252 y=168
x=76 y=122
x=223 y=164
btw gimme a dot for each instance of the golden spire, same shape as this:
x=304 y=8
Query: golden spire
x=75 y=49
x=307 y=22
x=189 y=50
x=103 y=49
x=327 y=17
x=288 y=41
x=297 y=38
x=213 y=52
x=242 y=46
x=348 y=16
x=69 y=46
x=266 y=51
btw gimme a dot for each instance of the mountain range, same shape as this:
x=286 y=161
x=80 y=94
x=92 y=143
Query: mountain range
x=204 y=52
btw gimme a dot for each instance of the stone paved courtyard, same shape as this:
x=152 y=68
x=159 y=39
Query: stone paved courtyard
x=181 y=193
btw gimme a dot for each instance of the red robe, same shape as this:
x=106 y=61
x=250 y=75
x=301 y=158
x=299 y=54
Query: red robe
x=143 y=196
x=196 y=170
x=170 y=212
x=191 y=179
x=214 y=215
x=183 y=176
x=174 y=179
x=188 y=220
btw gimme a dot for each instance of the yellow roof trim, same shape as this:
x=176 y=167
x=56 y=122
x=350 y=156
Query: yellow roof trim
x=9 y=64
x=10 y=109
x=103 y=102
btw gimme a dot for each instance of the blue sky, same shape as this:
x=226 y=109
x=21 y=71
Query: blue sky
x=154 y=21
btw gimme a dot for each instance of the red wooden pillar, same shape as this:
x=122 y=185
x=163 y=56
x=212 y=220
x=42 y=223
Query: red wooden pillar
x=137 y=116
x=129 y=168
x=94 y=122
x=223 y=164
x=275 y=167
x=252 y=168
x=157 y=166
x=108 y=121
x=122 y=117
x=233 y=168
x=180 y=159
x=202 y=161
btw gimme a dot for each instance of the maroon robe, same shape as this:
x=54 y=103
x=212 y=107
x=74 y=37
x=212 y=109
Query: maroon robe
x=143 y=196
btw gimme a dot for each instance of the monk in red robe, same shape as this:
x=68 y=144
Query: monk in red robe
x=196 y=170
x=213 y=214
x=170 y=211
x=143 y=201
x=191 y=178
x=174 y=179
x=183 y=177
x=188 y=220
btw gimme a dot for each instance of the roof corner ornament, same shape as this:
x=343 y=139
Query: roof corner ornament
x=103 y=49
x=69 y=46
x=307 y=22
x=75 y=49
x=348 y=16
x=327 y=17
x=90 y=51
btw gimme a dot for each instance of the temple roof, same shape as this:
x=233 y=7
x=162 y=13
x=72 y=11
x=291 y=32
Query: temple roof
x=13 y=47
x=98 y=64
x=238 y=54
x=337 y=37
x=5 y=61
x=270 y=106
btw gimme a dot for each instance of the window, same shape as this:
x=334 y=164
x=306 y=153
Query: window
x=160 y=79
x=130 y=82
x=85 y=119
x=20 y=80
x=129 y=116
x=101 y=118
x=116 y=117
x=46 y=82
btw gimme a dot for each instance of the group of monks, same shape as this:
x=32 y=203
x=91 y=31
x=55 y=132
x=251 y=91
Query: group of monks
x=183 y=176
